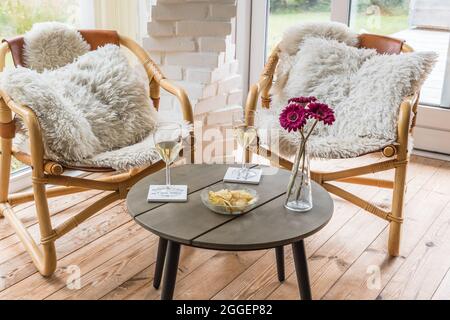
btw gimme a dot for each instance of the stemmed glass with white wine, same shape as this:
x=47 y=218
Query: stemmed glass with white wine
x=168 y=142
x=245 y=133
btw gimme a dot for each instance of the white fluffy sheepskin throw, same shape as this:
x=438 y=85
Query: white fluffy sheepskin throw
x=365 y=90
x=295 y=35
x=51 y=45
x=94 y=111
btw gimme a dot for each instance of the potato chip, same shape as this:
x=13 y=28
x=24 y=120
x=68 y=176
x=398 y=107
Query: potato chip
x=234 y=200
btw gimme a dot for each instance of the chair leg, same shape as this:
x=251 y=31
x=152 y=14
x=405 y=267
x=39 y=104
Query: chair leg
x=43 y=255
x=397 y=210
x=5 y=169
x=48 y=264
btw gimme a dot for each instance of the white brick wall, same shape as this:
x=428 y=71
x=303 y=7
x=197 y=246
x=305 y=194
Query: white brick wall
x=210 y=90
x=180 y=11
x=194 y=90
x=192 y=42
x=222 y=11
x=235 y=97
x=229 y=84
x=169 y=44
x=215 y=44
x=202 y=28
x=210 y=104
x=221 y=73
x=194 y=59
x=234 y=67
x=172 y=72
x=222 y=116
x=161 y=29
x=199 y=75
x=156 y=56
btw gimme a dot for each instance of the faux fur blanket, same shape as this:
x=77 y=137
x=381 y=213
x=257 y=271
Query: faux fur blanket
x=89 y=107
x=364 y=88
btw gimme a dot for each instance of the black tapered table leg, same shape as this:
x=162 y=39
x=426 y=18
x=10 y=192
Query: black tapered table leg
x=301 y=269
x=160 y=258
x=279 y=253
x=170 y=271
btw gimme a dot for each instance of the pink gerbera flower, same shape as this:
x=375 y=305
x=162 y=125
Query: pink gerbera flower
x=302 y=100
x=321 y=112
x=293 y=117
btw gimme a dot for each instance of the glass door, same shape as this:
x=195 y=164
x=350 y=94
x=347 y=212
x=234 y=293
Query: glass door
x=269 y=20
x=423 y=24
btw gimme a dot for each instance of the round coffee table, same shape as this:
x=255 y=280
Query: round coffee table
x=269 y=225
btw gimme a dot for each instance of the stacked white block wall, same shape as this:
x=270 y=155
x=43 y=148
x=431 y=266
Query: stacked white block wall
x=193 y=42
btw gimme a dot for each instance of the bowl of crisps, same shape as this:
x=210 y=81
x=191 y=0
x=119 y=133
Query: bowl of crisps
x=229 y=199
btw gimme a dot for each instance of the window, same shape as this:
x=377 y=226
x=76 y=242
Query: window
x=381 y=17
x=284 y=13
x=17 y=16
x=424 y=24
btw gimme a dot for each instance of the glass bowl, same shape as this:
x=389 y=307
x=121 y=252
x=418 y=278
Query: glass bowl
x=229 y=209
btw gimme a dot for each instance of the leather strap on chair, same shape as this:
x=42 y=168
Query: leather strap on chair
x=8 y=130
x=16 y=48
x=99 y=38
x=266 y=101
x=383 y=44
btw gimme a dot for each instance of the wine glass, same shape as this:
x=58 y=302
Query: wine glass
x=168 y=142
x=245 y=133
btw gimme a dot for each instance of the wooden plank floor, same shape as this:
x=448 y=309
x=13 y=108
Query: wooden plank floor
x=347 y=259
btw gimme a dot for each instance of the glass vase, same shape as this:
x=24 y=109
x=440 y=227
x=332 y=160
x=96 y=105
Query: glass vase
x=299 y=195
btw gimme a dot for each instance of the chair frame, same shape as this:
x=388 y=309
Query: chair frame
x=46 y=172
x=397 y=154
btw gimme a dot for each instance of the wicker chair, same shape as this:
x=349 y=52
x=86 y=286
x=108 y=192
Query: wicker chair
x=45 y=171
x=397 y=152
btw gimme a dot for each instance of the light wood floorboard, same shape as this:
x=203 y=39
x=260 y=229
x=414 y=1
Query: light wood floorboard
x=347 y=259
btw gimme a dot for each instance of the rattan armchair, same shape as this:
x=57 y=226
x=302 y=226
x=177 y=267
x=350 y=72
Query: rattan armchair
x=396 y=153
x=45 y=171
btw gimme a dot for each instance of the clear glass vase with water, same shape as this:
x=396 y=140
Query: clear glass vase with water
x=299 y=193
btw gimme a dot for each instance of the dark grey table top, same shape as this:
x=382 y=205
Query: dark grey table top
x=267 y=226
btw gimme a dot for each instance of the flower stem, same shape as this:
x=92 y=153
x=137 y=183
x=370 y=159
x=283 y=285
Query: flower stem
x=303 y=155
x=295 y=170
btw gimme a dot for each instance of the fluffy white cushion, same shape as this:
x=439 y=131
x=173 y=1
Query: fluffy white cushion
x=295 y=35
x=88 y=109
x=50 y=45
x=364 y=88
